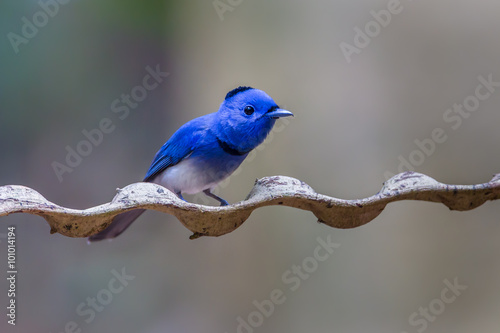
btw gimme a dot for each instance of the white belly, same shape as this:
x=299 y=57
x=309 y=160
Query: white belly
x=192 y=176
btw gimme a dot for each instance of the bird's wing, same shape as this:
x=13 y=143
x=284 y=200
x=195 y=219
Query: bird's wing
x=178 y=147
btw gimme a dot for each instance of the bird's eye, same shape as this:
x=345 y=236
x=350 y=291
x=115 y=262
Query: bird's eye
x=249 y=110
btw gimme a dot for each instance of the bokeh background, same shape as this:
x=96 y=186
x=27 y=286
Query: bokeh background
x=353 y=121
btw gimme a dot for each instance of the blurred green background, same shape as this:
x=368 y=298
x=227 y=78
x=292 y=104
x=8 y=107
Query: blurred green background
x=353 y=122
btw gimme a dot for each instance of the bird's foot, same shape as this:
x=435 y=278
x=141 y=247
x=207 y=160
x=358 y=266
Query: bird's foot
x=219 y=199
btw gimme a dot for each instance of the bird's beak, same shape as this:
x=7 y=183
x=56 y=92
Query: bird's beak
x=279 y=113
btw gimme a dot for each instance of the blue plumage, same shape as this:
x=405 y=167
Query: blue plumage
x=180 y=145
x=206 y=150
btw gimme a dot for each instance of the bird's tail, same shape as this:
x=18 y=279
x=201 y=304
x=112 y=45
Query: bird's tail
x=118 y=225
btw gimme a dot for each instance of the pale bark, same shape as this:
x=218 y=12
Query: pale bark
x=276 y=190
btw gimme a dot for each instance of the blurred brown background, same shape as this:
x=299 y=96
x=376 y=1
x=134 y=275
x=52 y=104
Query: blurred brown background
x=353 y=123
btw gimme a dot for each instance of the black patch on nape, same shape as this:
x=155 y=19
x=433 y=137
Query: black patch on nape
x=237 y=91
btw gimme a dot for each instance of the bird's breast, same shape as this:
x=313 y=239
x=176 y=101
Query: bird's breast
x=197 y=173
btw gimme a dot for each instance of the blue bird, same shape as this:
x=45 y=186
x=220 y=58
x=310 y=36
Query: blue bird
x=208 y=149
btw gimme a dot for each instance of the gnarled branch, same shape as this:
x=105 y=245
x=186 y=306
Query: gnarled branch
x=276 y=190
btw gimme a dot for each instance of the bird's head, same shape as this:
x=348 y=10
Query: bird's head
x=246 y=117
